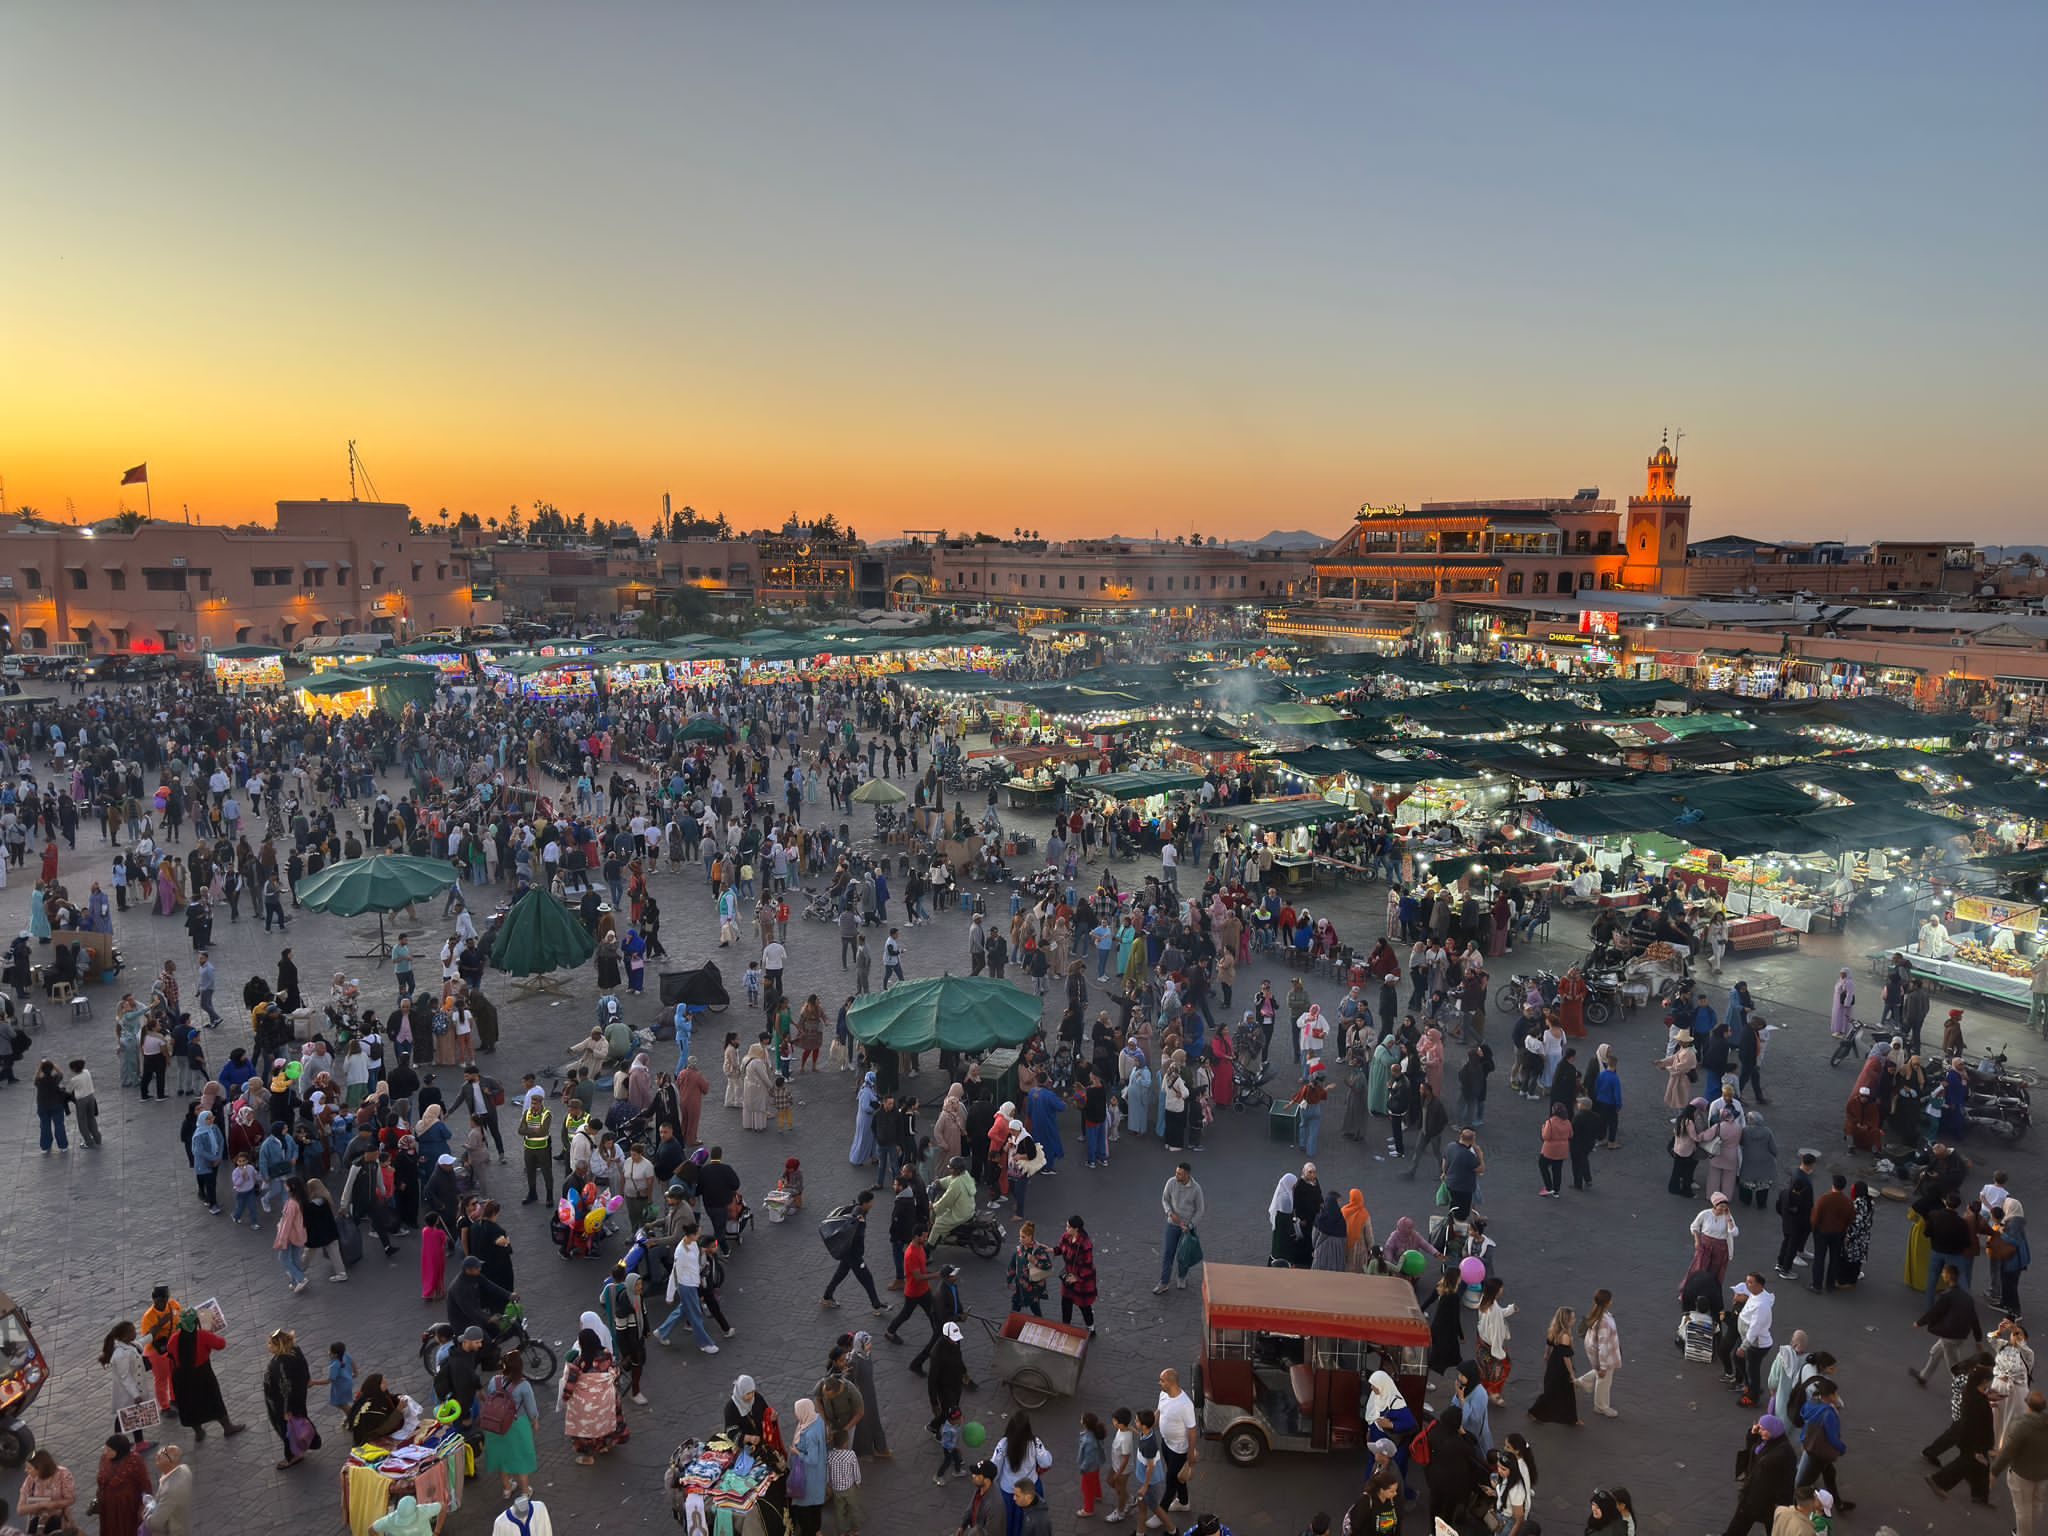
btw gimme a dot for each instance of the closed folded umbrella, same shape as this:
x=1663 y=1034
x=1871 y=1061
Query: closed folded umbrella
x=539 y=936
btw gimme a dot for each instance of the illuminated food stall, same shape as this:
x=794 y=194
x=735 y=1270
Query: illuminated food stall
x=337 y=693
x=240 y=668
x=1984 y=945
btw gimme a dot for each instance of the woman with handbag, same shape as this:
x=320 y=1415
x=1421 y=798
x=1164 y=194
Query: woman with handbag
x=806 y=1477
x=129 y=1372
x=285 y=1380
x=1030 y=1270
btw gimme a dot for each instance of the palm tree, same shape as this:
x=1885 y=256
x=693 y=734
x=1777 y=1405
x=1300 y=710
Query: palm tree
x=26 y=515
x=128 y=519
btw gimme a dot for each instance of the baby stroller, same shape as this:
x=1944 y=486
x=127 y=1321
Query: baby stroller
x=1253 y=1071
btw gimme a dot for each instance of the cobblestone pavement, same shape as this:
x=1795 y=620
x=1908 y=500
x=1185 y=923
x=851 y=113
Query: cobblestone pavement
x=86 y=1234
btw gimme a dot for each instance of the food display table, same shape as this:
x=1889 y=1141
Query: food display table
x=1029 y=794
x=1532 y=876
x=1294 y=869
x=1796 y=915
x=1961 y=976
x=719 y=1479
x=1624 y=899
x=1762 y=932
x=431 y=1465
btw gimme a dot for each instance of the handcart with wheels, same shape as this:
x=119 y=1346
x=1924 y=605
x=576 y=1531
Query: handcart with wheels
x=1036 y=1358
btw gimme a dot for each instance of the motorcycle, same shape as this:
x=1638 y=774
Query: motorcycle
x=980 y=1234
x=537 y=1357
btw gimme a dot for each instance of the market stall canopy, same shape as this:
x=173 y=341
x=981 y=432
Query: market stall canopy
x=540 y=935
x=1211 y=742
x=1278 y=815
x=1887 y=720
x=1629 y=697
x=2017 y=797
x=1138 y=783
x=702 y=728
x=328 y=684
x=1843 y=827
x=879 y=792
x=947 y=1013
x=247 y=652
x=386 y=882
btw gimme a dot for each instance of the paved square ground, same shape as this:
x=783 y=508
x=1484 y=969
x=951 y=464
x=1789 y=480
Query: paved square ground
x=85 y=1235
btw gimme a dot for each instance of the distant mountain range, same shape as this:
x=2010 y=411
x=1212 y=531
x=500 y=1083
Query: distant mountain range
x=1298 y=538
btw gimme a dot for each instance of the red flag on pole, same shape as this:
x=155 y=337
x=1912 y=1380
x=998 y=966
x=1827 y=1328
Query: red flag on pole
x=139 y=475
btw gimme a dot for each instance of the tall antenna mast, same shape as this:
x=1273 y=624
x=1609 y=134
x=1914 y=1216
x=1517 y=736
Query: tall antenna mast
x=351 y=469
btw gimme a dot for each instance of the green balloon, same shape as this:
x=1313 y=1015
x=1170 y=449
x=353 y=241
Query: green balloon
x=973 y=1432
x=293 y=1070
x=1413 y=1263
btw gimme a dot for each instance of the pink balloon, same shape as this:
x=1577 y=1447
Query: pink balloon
x=616 y=1204
x=1472 y=1271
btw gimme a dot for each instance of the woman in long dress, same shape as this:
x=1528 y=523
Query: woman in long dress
x=866 y=1102
x=1357 y=1102
x=1280 y=1220
x=755 y=1081
x=1223 y=1076
x=869 y=1438
x=1383 y=1058
x=734 y=1066
x=1558 y=1403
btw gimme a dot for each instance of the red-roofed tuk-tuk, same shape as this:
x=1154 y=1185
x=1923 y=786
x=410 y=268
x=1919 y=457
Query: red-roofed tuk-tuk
x=1287 y=1354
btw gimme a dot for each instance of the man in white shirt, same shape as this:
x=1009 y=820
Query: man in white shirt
x=1753 y=1323
x=1169 y=866
x=1179 y=1434
x=774 y=957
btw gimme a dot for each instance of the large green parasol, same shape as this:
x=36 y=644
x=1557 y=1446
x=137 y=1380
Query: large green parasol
x=879 y=792
x=702 y=728
x=383 y=882
x=949 y=1013
x=539 y=936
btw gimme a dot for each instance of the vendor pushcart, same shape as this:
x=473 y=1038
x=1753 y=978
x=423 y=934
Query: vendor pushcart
x=1038 y=1360
x=720 y=1485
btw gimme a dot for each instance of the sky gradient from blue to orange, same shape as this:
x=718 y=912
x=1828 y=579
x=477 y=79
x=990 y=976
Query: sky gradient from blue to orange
x=1073 y=267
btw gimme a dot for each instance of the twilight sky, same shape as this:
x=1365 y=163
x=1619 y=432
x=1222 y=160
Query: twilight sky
x=1078 y=267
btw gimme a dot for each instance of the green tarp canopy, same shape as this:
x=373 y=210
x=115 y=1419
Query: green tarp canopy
x=1277 y=815
x=702 y=728
x=1888 y=720
x=2020 y=797
x=1878 y=826
x=1296 y=714
x=1211 y=742
x=1137 y=784
x=247 y=652
x=1837 y=777
x=340 y=681
x=1627 y=697
x=947 y=1013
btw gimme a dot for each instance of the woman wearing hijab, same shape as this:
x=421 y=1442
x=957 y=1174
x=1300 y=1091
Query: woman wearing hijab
x=1406 y=1238
x=755 y=1081
x=1359 y=1246
x=2010 y=1255
x=123 y=1483
x=1379 y=1076
x=1473 y=1401
x=193 y=1384
x=591 y=1416
x=950 y=1129
x=1388 y=1416
x=1223 y=1072
x=285 y=1380
x=946 y=1376
x=1139 y=1092
x=746 y=1415
x=1280 y=1220
x=1330 y=1248
x=640 y=1084
x=869 y=1437
x=866 y=1102
x=806 y=1476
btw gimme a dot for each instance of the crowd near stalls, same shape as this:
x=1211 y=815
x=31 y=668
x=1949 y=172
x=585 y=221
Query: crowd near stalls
x=1082 y=886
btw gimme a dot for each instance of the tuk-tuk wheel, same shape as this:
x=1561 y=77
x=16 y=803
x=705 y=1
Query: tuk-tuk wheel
x=17 y=1444
x=1245 y=1446
x=1031 y=1387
